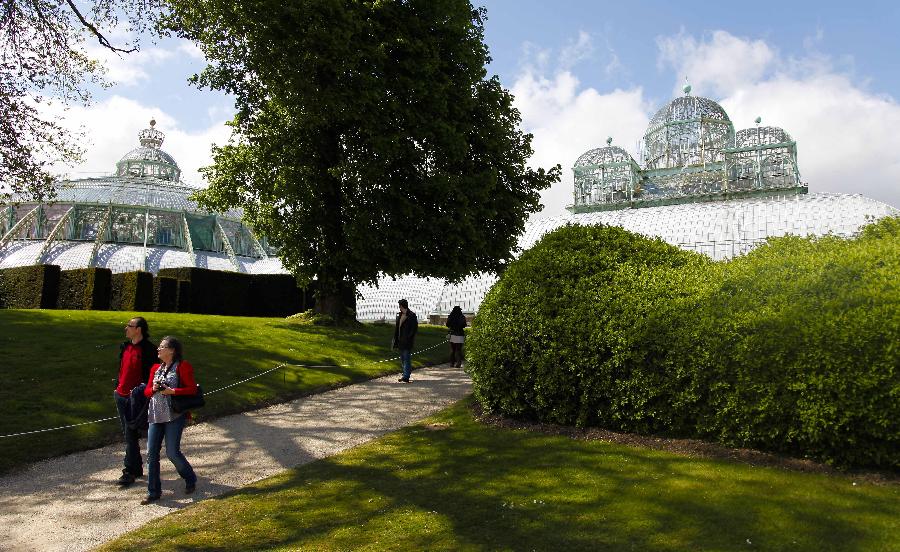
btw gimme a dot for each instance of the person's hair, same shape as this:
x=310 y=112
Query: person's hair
x=142 y=324
x=403 y=303
x=456 y=315
x=173 y=343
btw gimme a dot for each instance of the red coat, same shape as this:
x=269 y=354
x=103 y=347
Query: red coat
x=185 y=379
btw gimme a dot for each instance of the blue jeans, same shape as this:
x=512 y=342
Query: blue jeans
x=133 y=463
x=406 y=362
x=171 y=431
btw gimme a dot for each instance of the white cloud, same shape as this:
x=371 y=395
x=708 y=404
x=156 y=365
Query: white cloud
x=129 y=69
x=111 y=130
x=719 y=66
x=576 y=51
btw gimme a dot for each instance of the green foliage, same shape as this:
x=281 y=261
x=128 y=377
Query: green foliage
x=213 y=291
x=452 y=483
x=29 y=287
x=356 y=122
x=792 y=348
x=85 y=289
x=275 y=295
x=165 y=294
x=131 y=291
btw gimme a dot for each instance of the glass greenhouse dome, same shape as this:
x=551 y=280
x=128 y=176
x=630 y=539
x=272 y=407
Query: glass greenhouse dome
x=139 y=218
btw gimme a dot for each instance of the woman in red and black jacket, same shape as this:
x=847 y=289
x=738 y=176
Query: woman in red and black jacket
x=174 y=376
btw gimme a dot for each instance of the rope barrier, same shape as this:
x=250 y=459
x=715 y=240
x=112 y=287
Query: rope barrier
x=282 y=365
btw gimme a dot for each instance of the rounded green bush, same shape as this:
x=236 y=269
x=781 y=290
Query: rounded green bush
x=566 y=334
x=792 y=348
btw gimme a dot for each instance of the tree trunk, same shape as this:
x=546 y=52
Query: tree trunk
x=337 y=300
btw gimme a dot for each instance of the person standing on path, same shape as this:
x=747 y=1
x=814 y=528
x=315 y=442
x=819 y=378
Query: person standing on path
x=173 y=376
x=456 y=323
x=405 y=330
x=136 y=355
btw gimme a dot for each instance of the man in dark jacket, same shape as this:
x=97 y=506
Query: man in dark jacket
x=404 y=337
x=136 y=356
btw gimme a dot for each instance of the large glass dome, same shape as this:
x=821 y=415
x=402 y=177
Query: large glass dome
x=140 y=218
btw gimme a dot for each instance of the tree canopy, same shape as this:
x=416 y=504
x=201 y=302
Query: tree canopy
x=43 y=58
x=368 y=139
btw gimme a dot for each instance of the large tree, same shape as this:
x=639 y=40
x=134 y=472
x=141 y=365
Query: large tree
x=43 y=58
x=368 y=139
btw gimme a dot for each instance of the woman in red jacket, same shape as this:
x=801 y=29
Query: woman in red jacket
x=173 y=376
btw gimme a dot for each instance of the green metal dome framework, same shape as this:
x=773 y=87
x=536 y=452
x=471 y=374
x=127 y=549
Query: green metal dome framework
x=690 y=152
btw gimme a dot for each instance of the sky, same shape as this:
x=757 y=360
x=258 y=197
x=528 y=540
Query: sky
x=581 y=71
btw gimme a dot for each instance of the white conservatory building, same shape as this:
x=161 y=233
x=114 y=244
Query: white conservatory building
x=700 y=185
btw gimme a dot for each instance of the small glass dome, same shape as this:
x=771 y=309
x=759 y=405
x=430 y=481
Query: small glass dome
x=149 y=159
x=598 y=156
x=761 y=136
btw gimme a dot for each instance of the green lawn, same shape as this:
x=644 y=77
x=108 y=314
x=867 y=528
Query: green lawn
x=451 y=483
x=57 y=367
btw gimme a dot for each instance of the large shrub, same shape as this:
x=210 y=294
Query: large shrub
x=567 y=334
x=211 y=291
x=29 y=287
x=792 y=348
x=803 y=342
x=131 y=291
x=85 y=289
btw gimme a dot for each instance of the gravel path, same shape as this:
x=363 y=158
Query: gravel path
x=71 y=503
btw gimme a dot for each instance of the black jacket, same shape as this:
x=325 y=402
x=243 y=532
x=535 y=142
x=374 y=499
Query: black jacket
x=405 y=336
x=148 y=357
x=457 y=324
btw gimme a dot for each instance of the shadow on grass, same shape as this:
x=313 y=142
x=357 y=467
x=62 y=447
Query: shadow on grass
x=462 y=486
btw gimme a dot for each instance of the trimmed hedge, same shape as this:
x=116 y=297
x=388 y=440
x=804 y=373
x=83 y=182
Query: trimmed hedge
x=165 y=294
x=29 y=287
x=275 y=295
x=84 y=289
x=213 y=291
x=132 y=291
x=792 y=348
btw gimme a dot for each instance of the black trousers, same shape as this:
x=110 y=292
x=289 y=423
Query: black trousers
x=133 y=463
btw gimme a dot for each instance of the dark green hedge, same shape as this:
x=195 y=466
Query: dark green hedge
x=165 y=294
x=183 y=303
x=132 y=291
x=275 y=295
x=792 y=348
x=214 y=291
x=84 y=289
x=29 y=287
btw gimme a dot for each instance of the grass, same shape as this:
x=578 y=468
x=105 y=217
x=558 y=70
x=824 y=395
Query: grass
x=57 y=368
x=451 y=483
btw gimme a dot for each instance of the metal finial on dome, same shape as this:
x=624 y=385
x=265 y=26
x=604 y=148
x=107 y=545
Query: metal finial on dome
x=686 y=88
x=609 y=141
x=150 y=137
x=758 y=120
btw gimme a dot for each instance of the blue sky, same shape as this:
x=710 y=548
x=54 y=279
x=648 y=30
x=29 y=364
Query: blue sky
x=827 y=72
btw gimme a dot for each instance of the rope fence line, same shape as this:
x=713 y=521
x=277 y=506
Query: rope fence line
x=282 y=365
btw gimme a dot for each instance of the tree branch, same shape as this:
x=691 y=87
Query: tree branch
x=88 y=25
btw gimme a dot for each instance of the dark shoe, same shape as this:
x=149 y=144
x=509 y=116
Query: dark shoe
x=149 y=500
x=190 y=487
x=126 y=479
x=403 y=380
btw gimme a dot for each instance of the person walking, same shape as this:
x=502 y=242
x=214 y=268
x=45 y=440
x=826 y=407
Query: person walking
x=136 y=355
x=456 y=323
x=173 y=376
x=405 y=328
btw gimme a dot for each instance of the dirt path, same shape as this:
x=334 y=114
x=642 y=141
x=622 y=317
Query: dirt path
x=71 y=503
